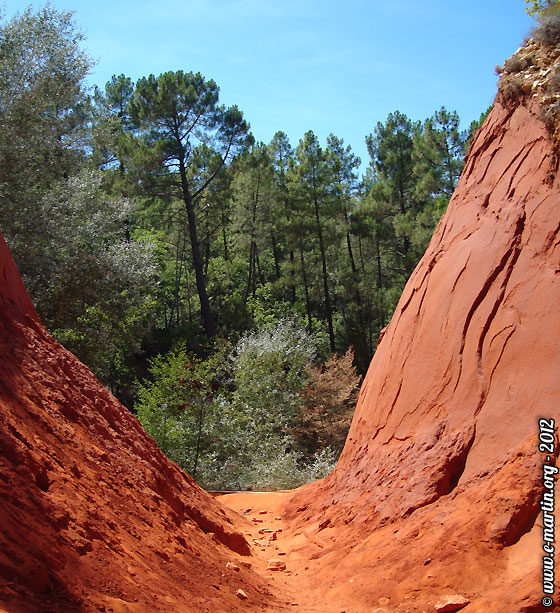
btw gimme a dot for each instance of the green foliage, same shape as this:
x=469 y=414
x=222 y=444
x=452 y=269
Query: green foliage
x=437 y=155
x=89 y=283
x=112 y=125
x=228 y=421
x=269 y=372
x=391 y=149
x=310 y=178
x=43 y=108
x=178 y=116
x=537 y=7
x=184 y=139
x=475 y=125
x=253 y=214
x=177 y=408
x=279 y=467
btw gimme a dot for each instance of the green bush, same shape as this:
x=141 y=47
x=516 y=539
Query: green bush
x=230 y=420
x=178 y=407
x=270 y=371
x=538 y=7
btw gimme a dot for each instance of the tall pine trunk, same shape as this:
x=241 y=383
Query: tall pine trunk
x=205 y=311
x=306 y=288
x=275 y=254
x=292 y=278
x=328 y=309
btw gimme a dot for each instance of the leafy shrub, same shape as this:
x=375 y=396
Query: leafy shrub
x=225 y=419
x=271 y=465
x=270 y=371
x=537 y=7
x=90 y=285
x=245 y=420
x=288 y=469
x=178 y=407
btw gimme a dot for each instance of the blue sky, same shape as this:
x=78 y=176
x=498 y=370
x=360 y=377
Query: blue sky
x=321 y=65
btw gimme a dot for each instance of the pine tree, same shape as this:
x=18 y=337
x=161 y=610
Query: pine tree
x=112 y=122
x=343 y=189
x=311 y=173
x=282 y=157
x=438 y=155
x=390 y=148
x=187 y=138
x=251 y=219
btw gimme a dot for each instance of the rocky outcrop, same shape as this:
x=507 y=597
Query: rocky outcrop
x=437 y=491
x=93 y=517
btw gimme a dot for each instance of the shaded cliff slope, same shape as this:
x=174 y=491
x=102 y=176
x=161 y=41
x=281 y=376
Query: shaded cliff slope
x=93 y=517
x=438 y=488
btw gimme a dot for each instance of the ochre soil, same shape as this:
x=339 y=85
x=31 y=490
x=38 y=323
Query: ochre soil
x=300 y=587
x=394 y=569
x=319 y=576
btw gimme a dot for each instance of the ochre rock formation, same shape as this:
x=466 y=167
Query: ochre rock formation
x=438 y=488
x=93 y=517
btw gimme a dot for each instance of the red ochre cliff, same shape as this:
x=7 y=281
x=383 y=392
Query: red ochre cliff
x=93 y=517
x=438 y=488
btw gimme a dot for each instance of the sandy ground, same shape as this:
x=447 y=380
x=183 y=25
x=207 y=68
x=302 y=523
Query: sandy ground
x=299 y=587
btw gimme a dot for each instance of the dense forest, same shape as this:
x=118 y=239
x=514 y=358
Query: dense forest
x=229 y=292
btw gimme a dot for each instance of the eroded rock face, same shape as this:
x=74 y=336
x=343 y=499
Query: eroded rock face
x=439 y=484
x=92 y=515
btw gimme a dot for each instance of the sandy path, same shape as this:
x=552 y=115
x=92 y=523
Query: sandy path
x=299 y=587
